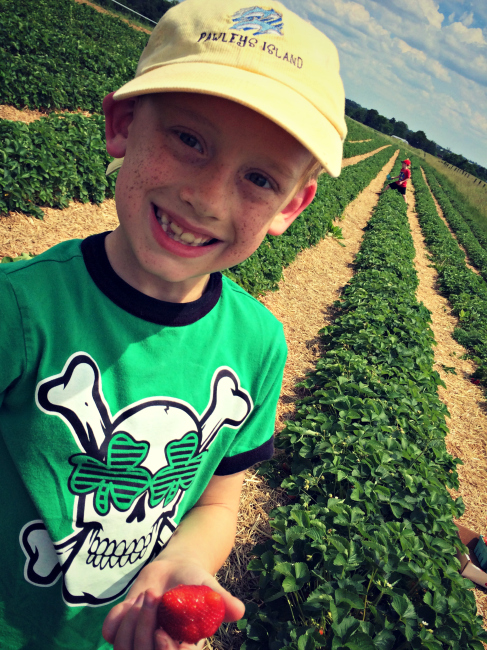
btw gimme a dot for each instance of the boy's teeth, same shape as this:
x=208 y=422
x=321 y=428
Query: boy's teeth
x=177 y=233
x=175 y=228
x=187 y=237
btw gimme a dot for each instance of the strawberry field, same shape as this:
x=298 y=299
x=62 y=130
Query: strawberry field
x=373 y=464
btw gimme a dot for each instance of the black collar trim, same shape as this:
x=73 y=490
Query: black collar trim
x=137 y=303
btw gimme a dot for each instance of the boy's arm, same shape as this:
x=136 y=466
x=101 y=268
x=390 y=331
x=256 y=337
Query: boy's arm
x=198 y=548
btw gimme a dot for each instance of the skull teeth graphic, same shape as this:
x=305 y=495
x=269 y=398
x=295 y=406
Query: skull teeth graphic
x=109 y=552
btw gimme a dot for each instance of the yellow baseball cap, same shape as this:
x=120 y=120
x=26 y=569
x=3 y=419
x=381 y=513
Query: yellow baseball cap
x=264 y=57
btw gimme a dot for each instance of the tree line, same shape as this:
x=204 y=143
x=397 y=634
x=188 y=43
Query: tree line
x=371 y=117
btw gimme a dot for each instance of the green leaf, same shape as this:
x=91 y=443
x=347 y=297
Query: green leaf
x=403 y=606
x=360 y=641
x=384 y=640
x=350 y=597
x=345 y=628
x=289 y=584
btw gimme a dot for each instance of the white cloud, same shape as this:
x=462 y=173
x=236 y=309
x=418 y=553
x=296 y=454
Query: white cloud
x=420 y=11
x=458 y=33
x=467 y=19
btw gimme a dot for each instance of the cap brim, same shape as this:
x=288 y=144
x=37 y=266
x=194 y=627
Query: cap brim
x=276 y=101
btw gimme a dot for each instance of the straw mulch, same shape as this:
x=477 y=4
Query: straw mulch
x=355 y=159
x=465 y=401
x=357 y=141
x=28 y=115
x=15 y=115
x=20 y=233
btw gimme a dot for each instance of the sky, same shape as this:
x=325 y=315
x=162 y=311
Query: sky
x=419 y=61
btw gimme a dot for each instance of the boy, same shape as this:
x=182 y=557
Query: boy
x=404 y=176
x=136 y=383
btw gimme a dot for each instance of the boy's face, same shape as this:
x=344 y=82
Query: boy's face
x=203 y=180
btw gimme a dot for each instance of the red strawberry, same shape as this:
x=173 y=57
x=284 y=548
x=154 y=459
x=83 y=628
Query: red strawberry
x=190 y=612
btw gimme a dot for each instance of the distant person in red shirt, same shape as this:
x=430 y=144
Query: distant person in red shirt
x=404 y=176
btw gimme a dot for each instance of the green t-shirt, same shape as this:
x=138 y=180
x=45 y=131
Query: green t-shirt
x=116 y=409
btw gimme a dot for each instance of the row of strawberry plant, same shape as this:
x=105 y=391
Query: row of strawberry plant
x=357 y=133
x=52 y=161
x=477 y=255
x=364 y=558
x=465 y=290
x=351 y=149
x=471 y=215
x=262 y=271
x=63 y=55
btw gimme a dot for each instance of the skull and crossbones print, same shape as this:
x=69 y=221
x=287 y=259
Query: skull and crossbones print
x=128 y=479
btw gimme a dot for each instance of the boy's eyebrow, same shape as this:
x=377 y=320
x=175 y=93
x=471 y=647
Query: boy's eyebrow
x=278 y=166
x=195 y=116
x=282 y=169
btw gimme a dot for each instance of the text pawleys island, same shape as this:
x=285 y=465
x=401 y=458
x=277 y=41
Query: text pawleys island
x=245 y=41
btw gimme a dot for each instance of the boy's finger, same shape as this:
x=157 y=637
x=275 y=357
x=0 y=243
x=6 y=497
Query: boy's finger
x=114 y=618
x=146 y=623
x=164 y=642
x=124 y=639
x=234 y=608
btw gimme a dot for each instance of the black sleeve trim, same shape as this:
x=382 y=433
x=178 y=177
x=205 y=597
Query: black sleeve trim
x=240 y=462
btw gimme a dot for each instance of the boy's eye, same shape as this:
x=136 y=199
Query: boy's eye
x=190 y=140
x=258 y=179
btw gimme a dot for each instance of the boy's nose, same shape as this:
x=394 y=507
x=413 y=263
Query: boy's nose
x=207 y=192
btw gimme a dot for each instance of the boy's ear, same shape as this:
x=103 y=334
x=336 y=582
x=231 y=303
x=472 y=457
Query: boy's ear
x=293 y=209
x=118 y=117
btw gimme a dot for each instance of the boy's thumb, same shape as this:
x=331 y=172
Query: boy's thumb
x=234 y=608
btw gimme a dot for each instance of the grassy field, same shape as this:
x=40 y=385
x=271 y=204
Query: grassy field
x=475 y=193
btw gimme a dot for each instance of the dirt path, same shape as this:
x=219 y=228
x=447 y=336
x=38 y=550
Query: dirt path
x=465 y=402
x=105 y=11
x=29 y=115
x=355 y=159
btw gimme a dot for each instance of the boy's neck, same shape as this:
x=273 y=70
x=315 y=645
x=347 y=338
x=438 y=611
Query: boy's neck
x=151 y=285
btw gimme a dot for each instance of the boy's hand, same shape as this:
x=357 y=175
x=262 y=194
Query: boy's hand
x=132 y=624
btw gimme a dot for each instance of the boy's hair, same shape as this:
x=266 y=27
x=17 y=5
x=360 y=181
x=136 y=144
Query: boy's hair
x=312 y=171
x=266 y=58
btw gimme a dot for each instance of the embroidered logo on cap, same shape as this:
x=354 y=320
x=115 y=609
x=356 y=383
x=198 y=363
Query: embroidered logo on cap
x=265 y=21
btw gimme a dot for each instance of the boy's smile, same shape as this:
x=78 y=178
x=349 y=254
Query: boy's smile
x=203 y=180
